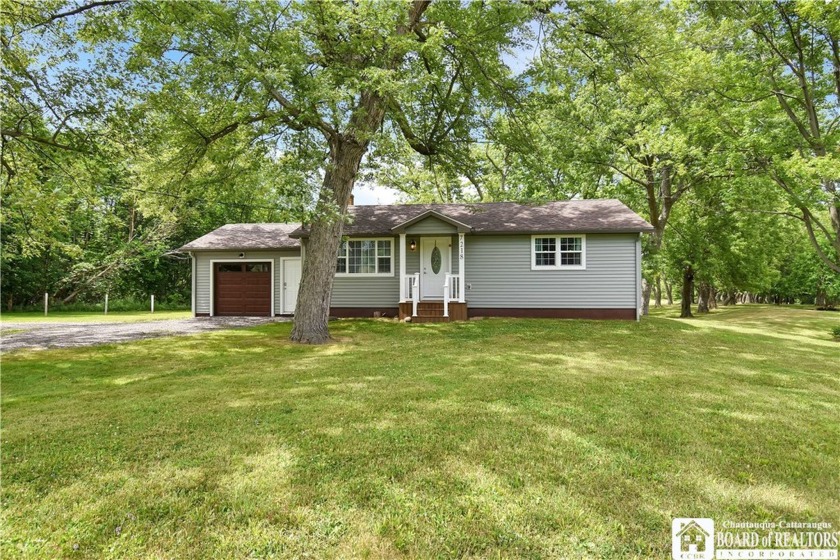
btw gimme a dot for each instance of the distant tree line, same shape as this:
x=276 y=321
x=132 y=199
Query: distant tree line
x=130 y=127
x=719 y=122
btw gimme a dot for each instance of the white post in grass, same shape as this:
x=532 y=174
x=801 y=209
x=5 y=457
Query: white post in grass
x=153 y=303
x=46 y=303
x=106 y=303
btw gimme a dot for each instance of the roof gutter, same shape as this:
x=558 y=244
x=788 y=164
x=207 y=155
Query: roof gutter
x=192 y=283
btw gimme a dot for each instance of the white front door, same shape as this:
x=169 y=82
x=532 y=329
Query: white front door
x=434 y=265
x=291 y=281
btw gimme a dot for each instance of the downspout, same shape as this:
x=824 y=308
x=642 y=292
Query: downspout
x=639 y=278
x=192 y=283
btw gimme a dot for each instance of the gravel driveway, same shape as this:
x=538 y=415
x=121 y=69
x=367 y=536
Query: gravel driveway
x=67 y=335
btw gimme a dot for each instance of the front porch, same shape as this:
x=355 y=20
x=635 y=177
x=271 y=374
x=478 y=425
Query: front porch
x=431 y=269
x=432 y=312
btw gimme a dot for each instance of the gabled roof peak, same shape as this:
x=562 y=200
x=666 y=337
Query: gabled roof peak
x=460 y=226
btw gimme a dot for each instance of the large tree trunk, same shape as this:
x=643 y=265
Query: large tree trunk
x=669 y=293
x=346 y=152
x=687 y=289
x=312 y=311
x=704 y=293
x=731 y=298
x=657 y=292
x=645 y=297
x=821 y=299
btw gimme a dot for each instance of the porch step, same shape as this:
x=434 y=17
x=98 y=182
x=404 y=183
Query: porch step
x=429 y=318
x=432 y=312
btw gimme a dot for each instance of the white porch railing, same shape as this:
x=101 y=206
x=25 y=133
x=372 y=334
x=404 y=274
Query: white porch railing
x=412 y=290
x=452 y=291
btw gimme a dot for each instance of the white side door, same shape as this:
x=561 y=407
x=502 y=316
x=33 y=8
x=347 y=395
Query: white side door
x=291 y=282
x=434 y=265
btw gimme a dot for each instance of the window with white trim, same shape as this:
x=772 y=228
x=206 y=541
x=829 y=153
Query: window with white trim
x=365 y=256
x=558 y=251
x=545 y=251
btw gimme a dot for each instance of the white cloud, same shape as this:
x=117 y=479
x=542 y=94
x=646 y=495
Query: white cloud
x=375 y=194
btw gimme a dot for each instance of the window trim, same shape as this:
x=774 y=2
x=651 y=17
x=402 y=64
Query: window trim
x=557 y=252
x=367 y=274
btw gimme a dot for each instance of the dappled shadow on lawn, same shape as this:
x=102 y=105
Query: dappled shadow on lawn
x=796 y=336
x=798 y=324
x=491 y=438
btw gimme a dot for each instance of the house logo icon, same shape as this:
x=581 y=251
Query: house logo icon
x=692 y=539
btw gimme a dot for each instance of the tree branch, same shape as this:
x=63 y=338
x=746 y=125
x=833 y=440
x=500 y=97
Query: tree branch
x=78 y=10
x=298 y=115
x=398 y=116
x=22 y=135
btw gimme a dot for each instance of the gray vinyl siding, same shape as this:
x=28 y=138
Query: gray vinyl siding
x=369 y=291
x=455 y=264
x=498 y=274
x=203 y=273
x=430 y=225
x=412 y=258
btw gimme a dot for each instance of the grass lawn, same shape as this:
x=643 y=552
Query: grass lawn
x=91 y=316
x=495 y=438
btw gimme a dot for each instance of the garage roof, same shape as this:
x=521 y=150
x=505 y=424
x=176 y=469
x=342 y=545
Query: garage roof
x=246 y=237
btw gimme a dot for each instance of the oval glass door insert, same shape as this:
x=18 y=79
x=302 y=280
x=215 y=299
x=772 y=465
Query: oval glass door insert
x=436 y=260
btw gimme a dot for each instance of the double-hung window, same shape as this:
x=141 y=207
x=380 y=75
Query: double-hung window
x=365 y=257
x=553 y=252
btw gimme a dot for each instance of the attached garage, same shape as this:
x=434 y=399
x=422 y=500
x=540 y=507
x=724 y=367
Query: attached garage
x=242 y=288
x=245 y=269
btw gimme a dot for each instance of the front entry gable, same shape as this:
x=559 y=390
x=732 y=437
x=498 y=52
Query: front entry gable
x=431 y=222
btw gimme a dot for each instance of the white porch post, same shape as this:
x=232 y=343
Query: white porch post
x=639 y=292
x=461 y=287
x=402 y=276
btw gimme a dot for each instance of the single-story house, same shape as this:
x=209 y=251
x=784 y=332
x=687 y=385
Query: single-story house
x=572 y=259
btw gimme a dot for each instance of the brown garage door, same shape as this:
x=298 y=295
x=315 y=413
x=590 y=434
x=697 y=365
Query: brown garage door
x=243 y=289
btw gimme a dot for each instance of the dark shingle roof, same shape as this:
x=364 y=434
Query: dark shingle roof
x=578 y=216
x=573 y=216
x=242 y=237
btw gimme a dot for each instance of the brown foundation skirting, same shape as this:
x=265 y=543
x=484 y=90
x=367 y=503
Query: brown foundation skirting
x=624 y=314
x=405 y=310
x=202 y=314
x=363 y=311
x=457 y=311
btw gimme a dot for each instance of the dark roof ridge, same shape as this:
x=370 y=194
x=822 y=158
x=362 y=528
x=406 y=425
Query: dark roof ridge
x=594 y=215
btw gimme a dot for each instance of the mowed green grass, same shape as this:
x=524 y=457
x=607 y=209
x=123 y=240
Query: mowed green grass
x=91 y=316
x=488 y=439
